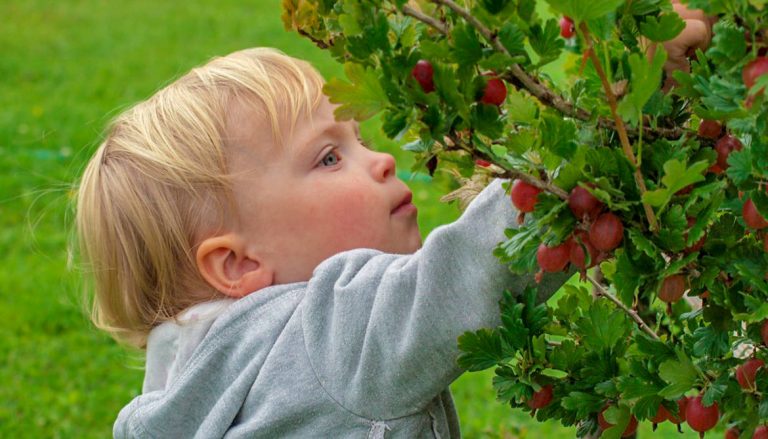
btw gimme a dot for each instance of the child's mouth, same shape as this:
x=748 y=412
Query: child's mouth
x=405 y=207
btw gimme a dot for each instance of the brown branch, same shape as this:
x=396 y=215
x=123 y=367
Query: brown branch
x=601 y=291
x=511 y=174
x=424 y=18
x=545 y=95
x=613 y=104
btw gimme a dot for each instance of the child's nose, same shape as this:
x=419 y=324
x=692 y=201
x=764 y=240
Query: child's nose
x=383 y=166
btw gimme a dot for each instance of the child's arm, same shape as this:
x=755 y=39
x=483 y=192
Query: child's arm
x=381 y=330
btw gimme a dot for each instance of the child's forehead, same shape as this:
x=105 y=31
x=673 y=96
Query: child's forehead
x=249 y=123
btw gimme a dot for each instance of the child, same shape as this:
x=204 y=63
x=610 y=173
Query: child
x=270 y=265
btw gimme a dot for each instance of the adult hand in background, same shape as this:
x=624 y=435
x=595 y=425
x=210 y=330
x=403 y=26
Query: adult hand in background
x=696 y=35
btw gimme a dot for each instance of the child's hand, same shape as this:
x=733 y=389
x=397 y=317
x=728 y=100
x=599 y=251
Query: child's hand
x=696 y=35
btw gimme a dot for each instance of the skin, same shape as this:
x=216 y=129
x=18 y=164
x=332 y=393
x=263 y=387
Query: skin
x=322 y=193
x=697 y=34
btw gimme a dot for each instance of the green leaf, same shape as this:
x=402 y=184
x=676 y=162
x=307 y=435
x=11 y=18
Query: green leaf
x=619 y=417
x=467 y=48
x=582 y=403
x=513 y=39
x=728 y=45
x=627 y=278
x=546 y=42
x=360 y=99
x=711 y=342
x=646 y=78
x=633 y=387
x=716 y=390
x=602 y=326
x=558 y=135
x=580 y=10
x=485 y=119
x=657 y=349
x=663 y=28
x=521 y=108
x=739 y=166
x=676 y=177
x=680 y=374
x=554 y=373
x=519 y=250
x=494 y=6
x=643 y=244
x=481 y=350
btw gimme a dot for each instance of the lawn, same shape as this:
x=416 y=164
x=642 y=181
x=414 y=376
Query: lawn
x=66 y=69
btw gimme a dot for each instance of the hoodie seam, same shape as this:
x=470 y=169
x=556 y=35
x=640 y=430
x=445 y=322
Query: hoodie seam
x=336 y=400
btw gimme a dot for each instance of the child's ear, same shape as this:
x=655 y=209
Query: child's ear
x=226 y=263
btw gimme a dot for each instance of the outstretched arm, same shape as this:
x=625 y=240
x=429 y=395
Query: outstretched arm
x=381 y=330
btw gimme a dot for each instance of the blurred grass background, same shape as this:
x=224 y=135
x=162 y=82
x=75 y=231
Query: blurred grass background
x=66 y=68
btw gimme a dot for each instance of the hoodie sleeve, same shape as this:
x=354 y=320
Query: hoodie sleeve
x=381 y=330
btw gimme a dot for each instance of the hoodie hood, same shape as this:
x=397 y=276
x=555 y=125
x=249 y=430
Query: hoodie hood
x=171 y=344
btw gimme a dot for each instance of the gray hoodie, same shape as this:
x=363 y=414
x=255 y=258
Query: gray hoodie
x=365 y=349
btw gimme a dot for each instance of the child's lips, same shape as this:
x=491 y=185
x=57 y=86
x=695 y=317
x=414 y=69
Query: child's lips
x=405 y=207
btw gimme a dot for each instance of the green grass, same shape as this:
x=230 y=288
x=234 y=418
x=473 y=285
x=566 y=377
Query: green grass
x=66 y=69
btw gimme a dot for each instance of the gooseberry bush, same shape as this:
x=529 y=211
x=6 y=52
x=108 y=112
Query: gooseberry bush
x=656 y=195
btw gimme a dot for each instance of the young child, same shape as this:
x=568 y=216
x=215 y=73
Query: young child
x=271 y=265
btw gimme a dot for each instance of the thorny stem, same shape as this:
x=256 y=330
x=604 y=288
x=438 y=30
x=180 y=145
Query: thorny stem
x=620 y=128
x=632 y=314
x=424 y=18
x=517 y=75
x=458 y=144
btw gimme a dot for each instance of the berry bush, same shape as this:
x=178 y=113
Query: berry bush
x=651 y=184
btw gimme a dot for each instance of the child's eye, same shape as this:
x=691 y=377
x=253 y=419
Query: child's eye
x=331 y=159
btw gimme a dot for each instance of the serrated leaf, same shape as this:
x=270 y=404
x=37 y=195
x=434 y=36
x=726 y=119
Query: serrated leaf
x=739 y=166
x=709 y=341
x=582 y=403
x=521 y=108
x=626 y=279
x=481 y=350
x=361 y=98
x=467 y=48
x=728 y=46
x=602 y=326
x=657 y=349
x=643 y=244
x=485 y=119
x=646 y=78
x=619 y=417
x=519 y=250
x=546 y=41
x=647 y=406
x=632 y=387
x=513 y=39
x=676 y=176
x=494 y=6
x=716 y=390
x=663 y=28
x=680 y=374
x=558 y=135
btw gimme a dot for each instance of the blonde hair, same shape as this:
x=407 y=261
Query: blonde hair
x=160 y=179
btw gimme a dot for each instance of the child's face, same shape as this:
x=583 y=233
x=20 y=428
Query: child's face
x=322 y=193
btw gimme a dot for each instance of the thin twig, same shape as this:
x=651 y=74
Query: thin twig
x=424 y=18
x=511 y=174
x=620 y=128
x=632 y=314
x=536 y=88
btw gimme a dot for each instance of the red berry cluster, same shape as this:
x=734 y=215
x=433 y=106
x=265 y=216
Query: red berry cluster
x=494 y=93
x=597 y=235
x=726 y=144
